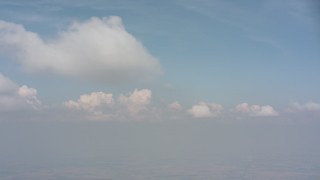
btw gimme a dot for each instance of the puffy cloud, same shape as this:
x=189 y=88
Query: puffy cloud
x=96 y=105
x=29 y=95
x=175 y=106
x=97 y=49
x=256 y=110
x=13 y=97
x=203 y=110
x=308 y=106
x=101 y=106
x=136 y=101
x=91 y=102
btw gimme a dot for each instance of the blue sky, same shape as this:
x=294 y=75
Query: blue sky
x=222 y=52
x=150 y=89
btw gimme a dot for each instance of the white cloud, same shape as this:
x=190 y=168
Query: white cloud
x=174 y=110
x=176 y=106
x=13 y=97
x=97 y=49
x=203 y=110
x=91 y=102
x=256 y=110
x=96 y=105
x=101 y=106
x=29 y=95
x=308 y=106
x=137 y=101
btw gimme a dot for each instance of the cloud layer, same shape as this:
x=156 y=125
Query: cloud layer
x=133 y=106
x=13 y=97
x=96 y=49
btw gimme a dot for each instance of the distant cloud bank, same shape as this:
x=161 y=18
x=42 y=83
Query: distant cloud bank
x=133 y=106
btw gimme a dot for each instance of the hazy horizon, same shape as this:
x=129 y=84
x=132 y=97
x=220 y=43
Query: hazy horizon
x=172 y=89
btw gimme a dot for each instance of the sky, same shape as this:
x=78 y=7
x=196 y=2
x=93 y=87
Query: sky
x=159 y=72
x=184 y=52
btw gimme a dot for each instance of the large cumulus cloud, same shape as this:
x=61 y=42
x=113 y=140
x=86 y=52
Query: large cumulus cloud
x=98 y=49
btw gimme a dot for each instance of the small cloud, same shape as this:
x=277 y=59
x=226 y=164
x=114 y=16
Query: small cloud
x=94 y=104
x=13 y=97
x=89 y=102
x=256 y=110
x=308 y=106
x=98 y=49
x=30 y=95
x=176 y=106
x=137 y=101
x=205 y=110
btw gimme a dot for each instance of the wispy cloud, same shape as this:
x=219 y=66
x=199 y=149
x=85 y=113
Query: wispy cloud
x=303 y=12
x=253 y=22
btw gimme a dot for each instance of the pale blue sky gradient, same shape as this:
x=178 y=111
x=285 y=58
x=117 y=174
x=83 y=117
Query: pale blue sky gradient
x=263 y=52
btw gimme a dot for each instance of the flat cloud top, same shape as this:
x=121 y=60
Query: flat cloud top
x=98 y=49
